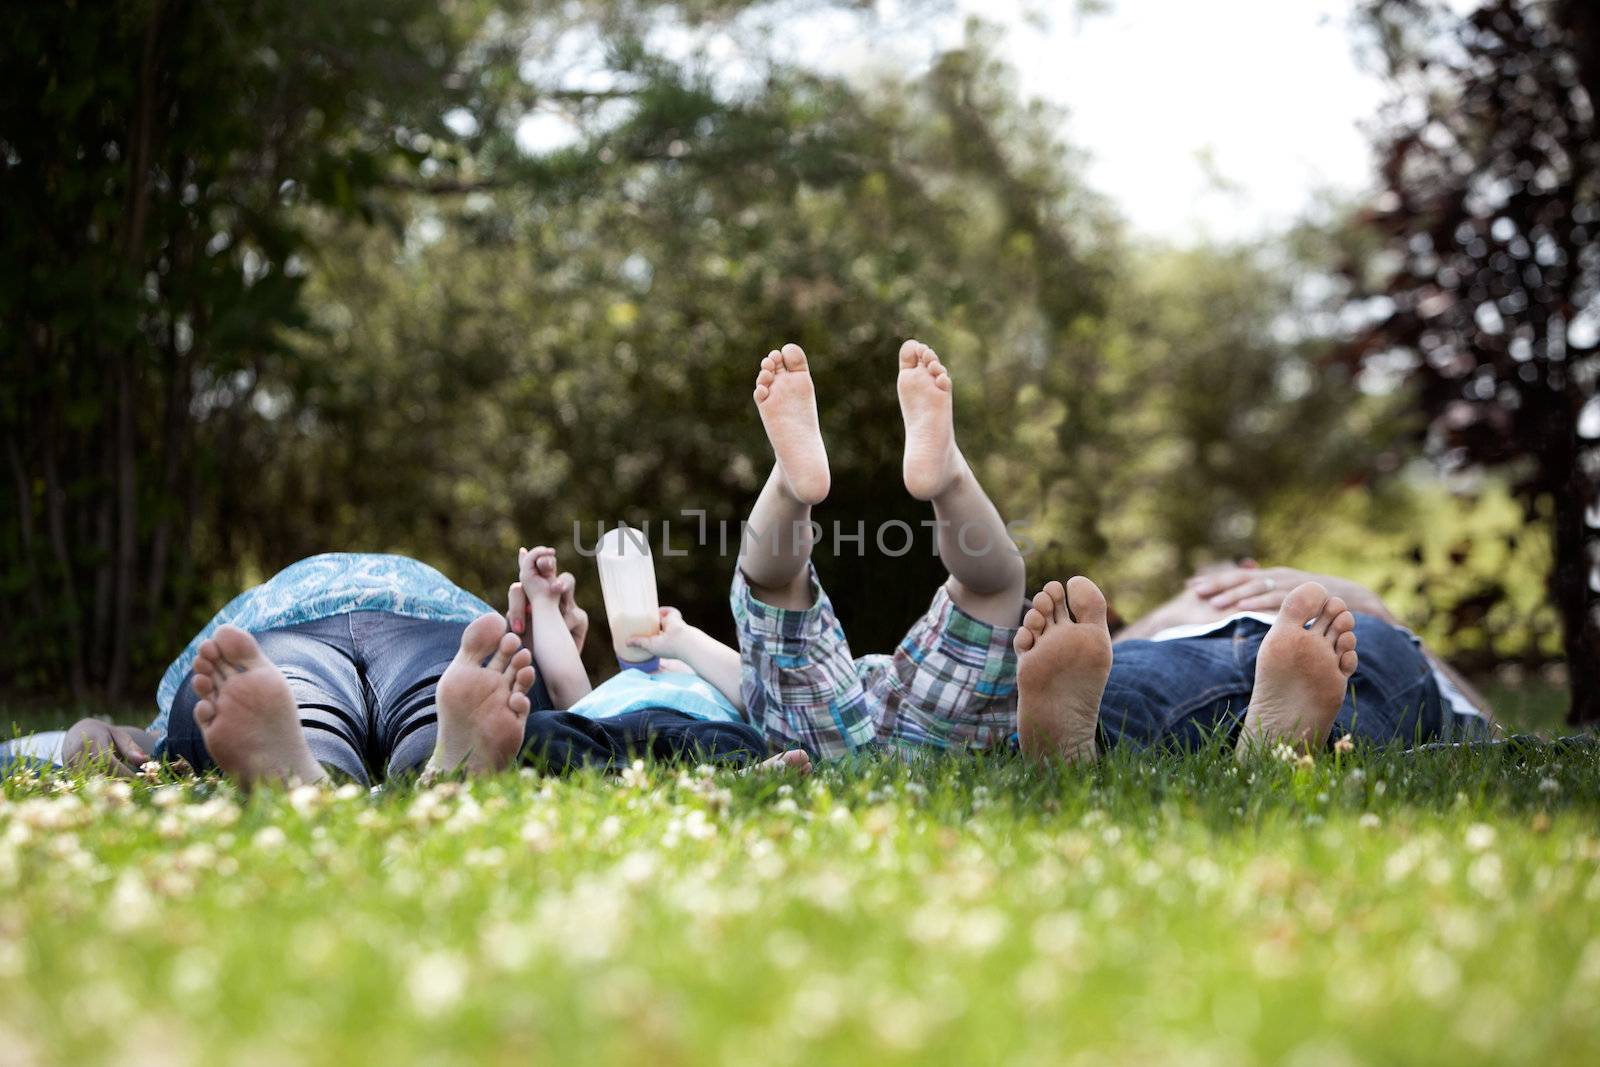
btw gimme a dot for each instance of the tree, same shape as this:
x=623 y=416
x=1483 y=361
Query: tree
x=160 y=161
x=1490 y=212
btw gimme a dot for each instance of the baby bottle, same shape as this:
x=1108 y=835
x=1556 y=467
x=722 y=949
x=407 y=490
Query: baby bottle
x=628 y=583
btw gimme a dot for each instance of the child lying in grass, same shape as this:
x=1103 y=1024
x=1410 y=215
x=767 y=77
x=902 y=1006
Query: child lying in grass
x=687 y=697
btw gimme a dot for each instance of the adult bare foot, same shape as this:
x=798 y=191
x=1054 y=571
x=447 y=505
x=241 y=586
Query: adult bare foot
x=932 y=460
x=1302 y=672
x=787 y=400
x=1063 y=660
x=247 y=714
x=795 y=759
x=483 y=706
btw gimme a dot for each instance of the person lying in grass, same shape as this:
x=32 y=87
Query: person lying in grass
x=951 y=684
x=369 y=666
x=689 y=690
x=1215 y=658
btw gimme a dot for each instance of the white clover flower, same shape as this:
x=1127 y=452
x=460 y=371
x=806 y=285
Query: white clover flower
x=436 y=982
x=269 y=838
x=1486 y=875
x=1369 y=820
x=1284 y=752
x=1479 y=837
x=1345 y=745
x=1549 y=786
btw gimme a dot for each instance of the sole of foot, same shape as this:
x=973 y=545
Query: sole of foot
x=247 y=714
x=797 y=760
x=1063 y=660
x=786 y=397
x=482 y=700
x=1302 y=672
x=932 y=460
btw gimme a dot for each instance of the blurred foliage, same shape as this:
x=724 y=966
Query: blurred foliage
x=369 y=311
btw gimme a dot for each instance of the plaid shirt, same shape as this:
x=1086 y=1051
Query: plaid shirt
x=951 y=683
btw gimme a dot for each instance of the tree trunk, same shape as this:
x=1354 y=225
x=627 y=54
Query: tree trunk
x=1573 y=591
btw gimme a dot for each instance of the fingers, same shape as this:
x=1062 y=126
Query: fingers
x=1265 y=602
x=566 y=588
x=128 y=748
x=517 y=608
x=1206 y=586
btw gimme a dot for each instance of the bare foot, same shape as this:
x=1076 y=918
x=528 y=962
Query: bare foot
x=247 y=714
x=796 y=759
x=483 y=707
x=1063 y=660
x=932 y=460
x=1301 y=673
x=787 y=400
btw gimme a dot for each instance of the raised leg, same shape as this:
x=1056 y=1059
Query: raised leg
x=778 y=539
x=987 y=577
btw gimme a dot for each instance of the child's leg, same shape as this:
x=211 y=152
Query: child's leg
x=987 y=578
x=777 y=545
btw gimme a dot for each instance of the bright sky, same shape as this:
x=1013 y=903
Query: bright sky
x=1269 y=91
x=1165 y=96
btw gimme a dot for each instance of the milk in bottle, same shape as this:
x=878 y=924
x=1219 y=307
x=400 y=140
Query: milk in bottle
x=628 y=583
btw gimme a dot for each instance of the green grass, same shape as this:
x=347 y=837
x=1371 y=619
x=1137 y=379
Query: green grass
x=1375 y=907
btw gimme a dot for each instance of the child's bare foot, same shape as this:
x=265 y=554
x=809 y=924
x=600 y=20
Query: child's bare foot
x=247 y=714
x=482 y=707
x=796 y=759
x=1301 y=674
x=932 y=461
x=1063 y=660
x=787 y=400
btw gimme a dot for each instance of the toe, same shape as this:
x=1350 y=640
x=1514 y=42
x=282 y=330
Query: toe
x=1023 y=641
x=238 y=648
x=1345 y=642
x=481 y=639
x=519 y=704
x=794 y=357
x=520 y=662
x=1343 y=623
x=1044 y=605
x=1347 y=663
x=762 y=392
x=524 y=679
x=909 y=352
x=1330 y=612
x=507 y=647
x=1058 y=600
x=773 y=363
x=1087 y=602
x=1036 y=620
x=1303 y=603
x=205 y=713
x=203 y=685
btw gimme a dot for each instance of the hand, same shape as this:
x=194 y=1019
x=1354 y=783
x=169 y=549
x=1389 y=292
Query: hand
x=668 y=641
x=541 y=563
x=1250 y=587
x=90 y=740
x=537 y=571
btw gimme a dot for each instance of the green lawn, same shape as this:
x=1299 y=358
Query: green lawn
x=1378 y=907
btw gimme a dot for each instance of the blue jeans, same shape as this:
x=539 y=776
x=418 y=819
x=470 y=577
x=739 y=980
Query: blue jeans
x=1184 y=690
x=364 y=682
